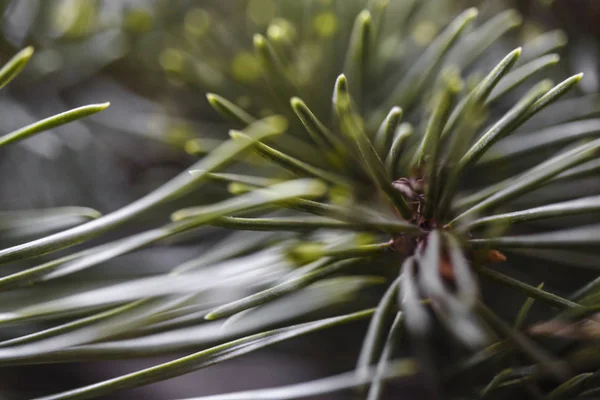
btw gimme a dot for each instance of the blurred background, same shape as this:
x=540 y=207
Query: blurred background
x=154 y=60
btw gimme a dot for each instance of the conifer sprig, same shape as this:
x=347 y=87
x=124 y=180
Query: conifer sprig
x=395 y=171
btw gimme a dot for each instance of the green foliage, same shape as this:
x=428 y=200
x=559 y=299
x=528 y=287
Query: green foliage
x=390 y=182
x=23 y=223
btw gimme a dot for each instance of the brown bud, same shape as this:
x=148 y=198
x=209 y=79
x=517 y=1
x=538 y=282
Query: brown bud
x=494 y=256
